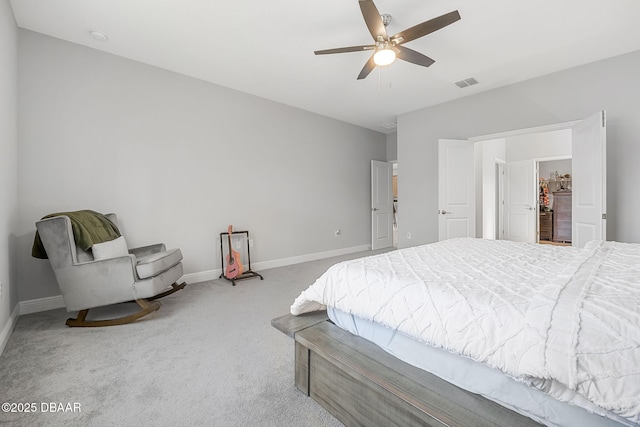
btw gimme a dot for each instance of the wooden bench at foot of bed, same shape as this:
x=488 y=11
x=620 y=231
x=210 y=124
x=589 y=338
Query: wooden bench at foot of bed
x=363 y=385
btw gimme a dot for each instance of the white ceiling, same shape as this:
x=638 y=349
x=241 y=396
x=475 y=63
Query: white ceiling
x=266 y=48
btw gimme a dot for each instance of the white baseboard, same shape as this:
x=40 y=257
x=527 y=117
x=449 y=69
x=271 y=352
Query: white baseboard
x=202 y=276
x=50 y=303
x=41 y=304
x=5 y=334
x=265 y=265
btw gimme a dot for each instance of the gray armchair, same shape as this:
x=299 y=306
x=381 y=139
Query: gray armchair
x=141 y=274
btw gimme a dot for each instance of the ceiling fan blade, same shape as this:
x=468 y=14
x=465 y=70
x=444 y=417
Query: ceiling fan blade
x=373 y=19
x=344 y=49
x=414 y=57
x=368 y=68
x=426 y=27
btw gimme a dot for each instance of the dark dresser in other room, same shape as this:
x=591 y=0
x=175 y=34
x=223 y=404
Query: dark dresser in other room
x=562 y=216
x=546 y=226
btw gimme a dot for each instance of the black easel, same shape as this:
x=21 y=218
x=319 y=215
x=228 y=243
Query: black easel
x=247 y=273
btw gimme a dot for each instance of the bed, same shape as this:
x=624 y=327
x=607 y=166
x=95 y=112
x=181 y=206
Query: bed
x=474 y=332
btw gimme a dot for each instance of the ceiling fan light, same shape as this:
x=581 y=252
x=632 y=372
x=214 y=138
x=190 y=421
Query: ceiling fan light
x=384 y=57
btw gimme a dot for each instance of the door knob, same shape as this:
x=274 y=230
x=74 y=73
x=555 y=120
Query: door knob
x=374 y=209
x=443 y=212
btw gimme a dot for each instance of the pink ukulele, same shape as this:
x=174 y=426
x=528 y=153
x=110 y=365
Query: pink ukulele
x=234 y=266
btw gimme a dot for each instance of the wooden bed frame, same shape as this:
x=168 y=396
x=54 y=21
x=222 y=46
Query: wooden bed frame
x=363 y=385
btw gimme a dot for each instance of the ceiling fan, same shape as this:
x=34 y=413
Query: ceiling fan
x=387 y=49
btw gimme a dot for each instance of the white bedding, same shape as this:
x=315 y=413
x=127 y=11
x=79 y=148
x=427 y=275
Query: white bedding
x=564 y=320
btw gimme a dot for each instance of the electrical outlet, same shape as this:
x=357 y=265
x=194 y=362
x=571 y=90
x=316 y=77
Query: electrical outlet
x=250 y=243
x=409 y=235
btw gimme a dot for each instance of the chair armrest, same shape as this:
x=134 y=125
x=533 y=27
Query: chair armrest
x=147 y=250
x=123 y=261
x=85 y=285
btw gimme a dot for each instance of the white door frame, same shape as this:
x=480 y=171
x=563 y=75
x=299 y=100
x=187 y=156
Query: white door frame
x=518 y=132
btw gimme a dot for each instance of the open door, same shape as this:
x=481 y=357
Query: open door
x=381 y=205
x=589 y=203
x=520 y=202
x=456 y=189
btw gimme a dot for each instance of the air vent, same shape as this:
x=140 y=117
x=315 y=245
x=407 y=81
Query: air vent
x=389 y=126
x=466 y=82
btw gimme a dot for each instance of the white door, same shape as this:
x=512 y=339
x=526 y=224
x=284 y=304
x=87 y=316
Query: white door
x=520 y=202
x=589 y=197
x=456 y=189
x=381 y=204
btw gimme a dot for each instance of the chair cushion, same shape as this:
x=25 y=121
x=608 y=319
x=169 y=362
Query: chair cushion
x=111 y=249
x=154 y=264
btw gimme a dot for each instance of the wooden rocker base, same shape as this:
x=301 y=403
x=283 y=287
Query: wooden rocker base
x=174 y=287
x=147 y=307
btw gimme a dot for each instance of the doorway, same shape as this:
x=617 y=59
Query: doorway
x=554 y=201
x=513 y=178
x=587 y=142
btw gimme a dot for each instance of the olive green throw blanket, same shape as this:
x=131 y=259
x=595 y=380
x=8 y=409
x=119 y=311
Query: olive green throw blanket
x=89 y=227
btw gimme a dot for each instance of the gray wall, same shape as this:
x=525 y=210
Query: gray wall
x=573 y=94
x=178 y=159
x=392 y=146
x=8 y=165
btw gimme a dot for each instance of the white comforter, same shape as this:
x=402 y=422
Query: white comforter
x=562 y=319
